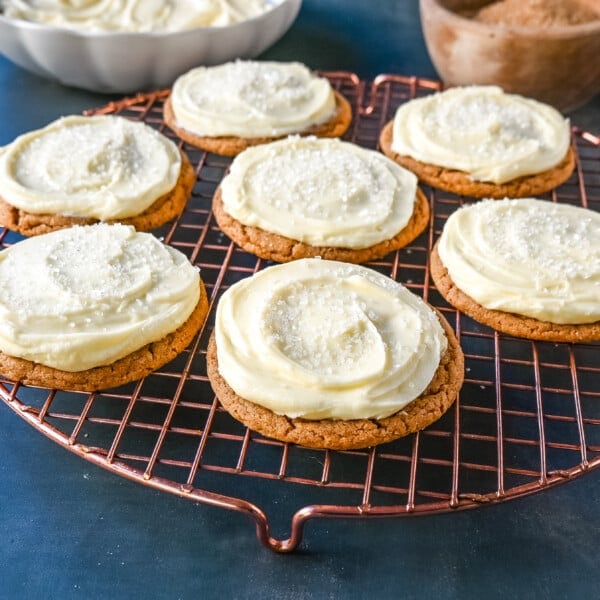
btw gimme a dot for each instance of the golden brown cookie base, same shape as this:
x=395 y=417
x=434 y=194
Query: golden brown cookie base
x=355 y=433
x=272 y=246
x=510 y=323
x=161 y=211
x=459 y=182
x=231 y=145
x=134 y=366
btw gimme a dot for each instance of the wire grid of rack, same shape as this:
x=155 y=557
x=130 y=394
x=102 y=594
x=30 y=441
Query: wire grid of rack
x=528 y=416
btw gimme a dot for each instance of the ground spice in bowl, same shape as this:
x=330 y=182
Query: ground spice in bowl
x=542 y=49
x=535 y=13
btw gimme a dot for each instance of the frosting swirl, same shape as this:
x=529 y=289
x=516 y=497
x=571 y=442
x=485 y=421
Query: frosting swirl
x=323 y=192
x=530 y=257
x=322 y=339
x=490 y=135
x=105 y=167
x=251 y=99
x=134 y=15
x=83 y=297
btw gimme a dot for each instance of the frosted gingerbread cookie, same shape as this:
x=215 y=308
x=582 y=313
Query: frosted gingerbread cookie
x=331 y=355
x=81 y=170
x=525 y=267
x=87 y=308
x=133 y=16
x=227 y=108
x=303 y=197
x=479 y=141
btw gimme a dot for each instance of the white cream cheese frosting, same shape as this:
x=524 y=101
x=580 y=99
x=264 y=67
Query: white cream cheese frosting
x=530 y=257
x=251 y=99
x=83 y=297
x=135 y=15
x=490 y=135
x=323 y=339
x=323 y=192
x=104 y=167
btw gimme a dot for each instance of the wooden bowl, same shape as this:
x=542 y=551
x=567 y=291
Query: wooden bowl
x=557 y=65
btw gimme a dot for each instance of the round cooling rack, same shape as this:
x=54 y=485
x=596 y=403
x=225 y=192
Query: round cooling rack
x=528 y=415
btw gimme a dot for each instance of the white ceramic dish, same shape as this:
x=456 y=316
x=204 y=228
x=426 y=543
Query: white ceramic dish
x=130 y=62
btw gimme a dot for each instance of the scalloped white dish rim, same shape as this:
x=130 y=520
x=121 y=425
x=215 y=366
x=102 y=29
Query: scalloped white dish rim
x=124 y=62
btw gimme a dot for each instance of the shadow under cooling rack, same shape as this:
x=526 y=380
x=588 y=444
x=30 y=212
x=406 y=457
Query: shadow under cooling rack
x=528 y=415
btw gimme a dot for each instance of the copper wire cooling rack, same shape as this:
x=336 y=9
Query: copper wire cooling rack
x=528 y=416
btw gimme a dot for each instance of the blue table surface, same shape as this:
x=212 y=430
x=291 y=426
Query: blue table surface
x=71 y=530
